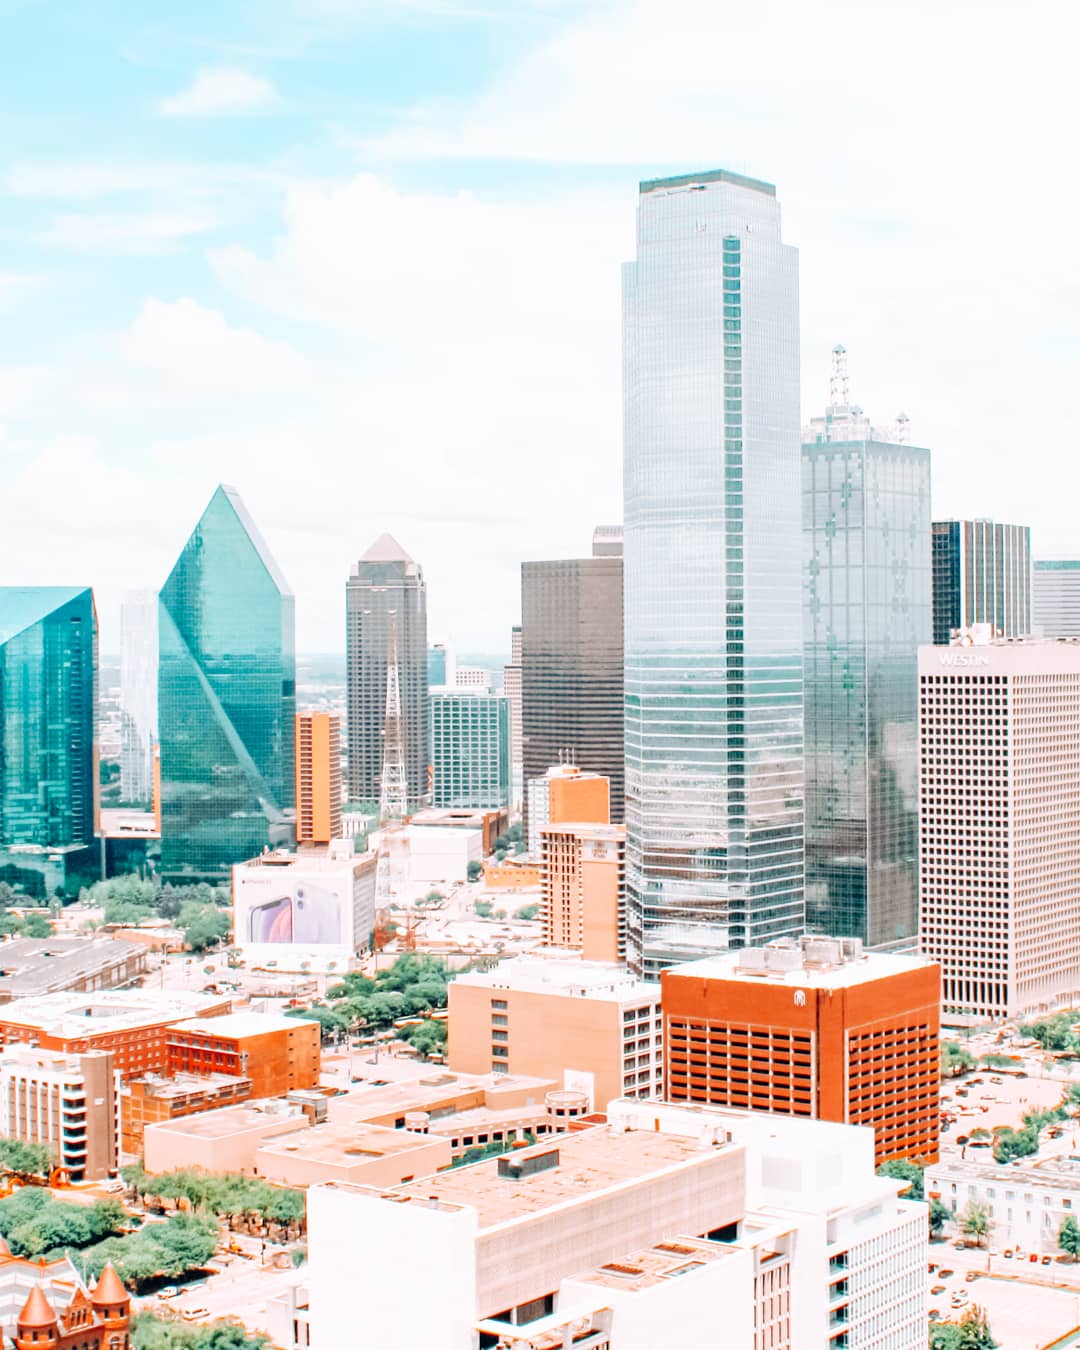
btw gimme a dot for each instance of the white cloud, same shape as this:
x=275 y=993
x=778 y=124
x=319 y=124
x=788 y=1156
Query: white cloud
x=139 y=232
x=19 y=385
x=14 y=284
x=197 y=348
x=220 y=89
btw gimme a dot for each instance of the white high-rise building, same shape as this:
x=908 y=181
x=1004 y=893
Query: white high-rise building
x=999 y=742
x=138 y=696
x=1055 y=598
x=713 y=572
x=666 y=1226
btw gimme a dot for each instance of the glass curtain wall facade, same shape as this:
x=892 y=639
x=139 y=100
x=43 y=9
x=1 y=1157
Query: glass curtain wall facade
x=1056 y=598
x=226 y=698
x=572 y=668
x=981 y=574
x=470 y=737
x=714 y=703
x=48 y=755
x=866 y=519
x=387 y=586
x=138 y=696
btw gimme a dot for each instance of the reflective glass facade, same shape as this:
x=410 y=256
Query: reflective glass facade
x=572 y=668
x=713 y=703
x=1056 y=598
x=48 y=760
x=866 y=520
x=226 y=697
x=470 y=737
x=981 y=574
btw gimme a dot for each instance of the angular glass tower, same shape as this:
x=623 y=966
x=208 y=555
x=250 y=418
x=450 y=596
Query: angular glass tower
x=981 y=574
x=226 y=697
x=48 y=757
x=713 y=648
x=138 y=696
x=866 y=520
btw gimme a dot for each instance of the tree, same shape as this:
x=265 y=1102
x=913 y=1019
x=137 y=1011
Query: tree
x=939 y=1216
x=203 y=925
x=1072 y=1095
x=995 y=1061
x=474 y=871
x=944 y=1336
x=36 y=926
x=483 y=908
x=27 y=1159
x=902 y=1170
x=1069 y=1236
x=1052 y=1033
x=955 y=1059
x=1011 y=1144
x=975 y=1221
x=528 y=912
x=975 y=1331
x=428 y=1038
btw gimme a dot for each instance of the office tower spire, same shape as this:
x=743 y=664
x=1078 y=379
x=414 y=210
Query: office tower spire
x=226 y=697
x=386 y=591
x=714 y=777
x=393 y=794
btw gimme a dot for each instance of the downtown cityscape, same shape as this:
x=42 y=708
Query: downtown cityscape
x=677 y=947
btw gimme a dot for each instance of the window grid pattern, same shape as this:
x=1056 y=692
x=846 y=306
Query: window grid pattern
x=761 y=1068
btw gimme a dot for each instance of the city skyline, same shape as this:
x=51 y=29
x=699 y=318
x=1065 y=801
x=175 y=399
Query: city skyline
x=304 y=215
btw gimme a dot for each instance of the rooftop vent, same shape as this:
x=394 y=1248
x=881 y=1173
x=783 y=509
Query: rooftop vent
x=518 y=1166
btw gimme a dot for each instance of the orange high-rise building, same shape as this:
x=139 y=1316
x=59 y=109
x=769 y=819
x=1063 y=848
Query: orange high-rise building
x=565 y=795
x=813 y=1027
x=318 y=777
x=583 y=879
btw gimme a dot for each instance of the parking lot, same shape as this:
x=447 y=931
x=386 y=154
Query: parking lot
x=1023 y=1314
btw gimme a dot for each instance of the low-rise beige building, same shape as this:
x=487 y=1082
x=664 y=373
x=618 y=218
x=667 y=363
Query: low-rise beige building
x=371 y=1155
x=589 y=1025
x=219 y=1141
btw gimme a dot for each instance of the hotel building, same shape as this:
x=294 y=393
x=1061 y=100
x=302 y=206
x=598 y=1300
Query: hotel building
x=69 y=1103
x=318 y=777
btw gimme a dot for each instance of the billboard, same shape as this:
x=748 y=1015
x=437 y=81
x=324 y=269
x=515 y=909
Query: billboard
x=281 y=906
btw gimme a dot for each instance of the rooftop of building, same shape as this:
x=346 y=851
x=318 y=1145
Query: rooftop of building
x=239 y=1025
x=1056 y=564
x=341 y=1144
x=708 y=176
x=71 y=1015
x=569 y=1168
x=1059 y=1173
x=122 y=822
x=440 y=1093
x=554 y=971
x=62 y=1062
x=814 y=962
x=385 y=549
x=33 y=966
x=651 y=1266
x=230 y=1121
x=193 y=1085
x=23 y=606
x=453 y=816
x=337 y=856
x=586 y=829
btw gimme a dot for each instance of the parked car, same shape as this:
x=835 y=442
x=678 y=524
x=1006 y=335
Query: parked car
x=945 y=1274
x=937 y=1289
x=1007 y=1252
x=193 y=1314
x=1046 y=1260
x=170 y=1291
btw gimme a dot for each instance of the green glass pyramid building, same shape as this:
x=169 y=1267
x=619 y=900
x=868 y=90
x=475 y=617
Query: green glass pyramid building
x=226 y=698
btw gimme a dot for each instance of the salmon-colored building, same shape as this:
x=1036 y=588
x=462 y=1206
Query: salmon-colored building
x=276 y=1054
x=814 y=1028
x=563 y=796
x=583 y=878
x=152 y=1099
x=318 y=777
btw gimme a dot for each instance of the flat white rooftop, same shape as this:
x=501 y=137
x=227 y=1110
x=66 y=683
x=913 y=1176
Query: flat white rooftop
x=70 y=1015
x=563 y=973
x=863 y=969
x=241 y=1024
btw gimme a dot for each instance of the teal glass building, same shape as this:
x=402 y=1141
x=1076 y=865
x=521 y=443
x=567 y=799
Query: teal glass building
x=226 y=697
x=48 y=756
x=470 y=737
x=867 y=610
x=712 y=572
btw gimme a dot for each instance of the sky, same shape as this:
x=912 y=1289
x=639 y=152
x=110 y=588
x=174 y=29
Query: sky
x=360 y=259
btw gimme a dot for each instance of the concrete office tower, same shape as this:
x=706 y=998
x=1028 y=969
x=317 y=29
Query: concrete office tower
x=226 y=697
x=866 y=612
x=572 y=667
x=1056 y=598
x=667 y=1226
x=386 y=584
x=470 y=733
x=591 y=1026
x=441 y=667
x=48 y=752
x=583 y=889
x=138 y=696
x=318 y=777
x=999 y=742
x=566 y=794
x=713 y=554
x=512 y=690
x=981 y=574
x=811 y=1028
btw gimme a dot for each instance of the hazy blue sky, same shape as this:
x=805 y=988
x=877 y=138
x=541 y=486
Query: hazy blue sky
x=361 y=259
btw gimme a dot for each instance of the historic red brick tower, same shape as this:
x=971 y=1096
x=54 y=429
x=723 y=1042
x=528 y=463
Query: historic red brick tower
x=100 y=1322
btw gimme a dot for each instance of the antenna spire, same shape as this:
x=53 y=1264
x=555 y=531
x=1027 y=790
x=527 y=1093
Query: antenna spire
x=393 y=794
x=838 y=380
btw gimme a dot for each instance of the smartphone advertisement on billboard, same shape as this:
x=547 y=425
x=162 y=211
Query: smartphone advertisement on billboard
x=292 y=911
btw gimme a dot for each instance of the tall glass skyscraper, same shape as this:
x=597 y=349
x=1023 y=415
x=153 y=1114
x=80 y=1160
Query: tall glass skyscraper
x=48 y=756
x=138 y=696
x=981 y=574
x=866 y=520
x=226 y=697
x=714 y=707
x=470 y=737
x=387 y=587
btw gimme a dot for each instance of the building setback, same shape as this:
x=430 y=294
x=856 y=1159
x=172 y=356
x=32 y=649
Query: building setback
x=572 y=667
x=226 y=697
x=981 y=574
x=713 y=558
x=814 y=1028
x=386 y=592
x=999 y=734
x=866 y=611
x=1056 y=598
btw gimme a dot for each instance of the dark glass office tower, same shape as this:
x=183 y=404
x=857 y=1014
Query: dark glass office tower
x=48 y=759
x=572 y=666
x=226 y=697
x=866 y=611
x=387 y=585
x=981 y=574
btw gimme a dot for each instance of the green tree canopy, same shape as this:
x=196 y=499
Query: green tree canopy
x=1069 y=1236
x=902 y=1170
x=939 y=1215
x=975 y=1221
